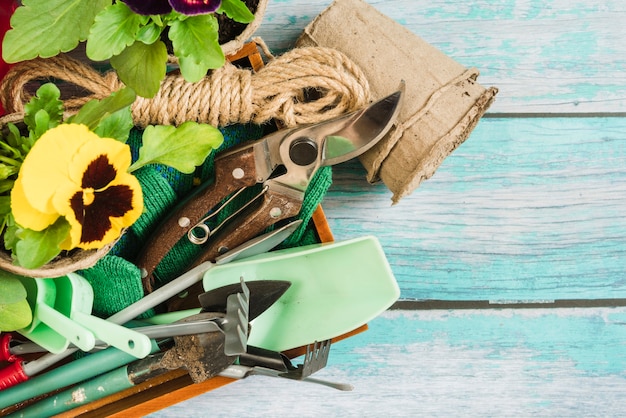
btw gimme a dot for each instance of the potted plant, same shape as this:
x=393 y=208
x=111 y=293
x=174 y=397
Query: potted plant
x=67 y=188
x=133 y=34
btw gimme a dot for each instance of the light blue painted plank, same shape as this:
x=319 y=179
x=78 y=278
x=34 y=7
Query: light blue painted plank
x=545 y=56
x=552 y=363
x=526 y=209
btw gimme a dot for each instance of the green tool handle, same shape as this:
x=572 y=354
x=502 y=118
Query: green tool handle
x=97 y=388
x=69 y=374
x=91 y=390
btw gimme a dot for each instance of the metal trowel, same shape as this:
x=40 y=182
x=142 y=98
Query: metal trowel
x=232 y=307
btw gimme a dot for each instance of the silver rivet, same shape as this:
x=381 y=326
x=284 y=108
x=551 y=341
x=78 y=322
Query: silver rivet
x=238 y=173
x=275 y=212
x=184 y=222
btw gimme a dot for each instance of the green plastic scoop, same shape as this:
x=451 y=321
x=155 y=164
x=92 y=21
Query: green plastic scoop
x=335 y=288
x=49 y=328
x=75 y=300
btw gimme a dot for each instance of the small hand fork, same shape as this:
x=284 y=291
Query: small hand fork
x=315 y=359
x=270 y=363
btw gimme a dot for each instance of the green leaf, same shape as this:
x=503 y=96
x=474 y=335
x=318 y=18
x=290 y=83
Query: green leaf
x=94 y=111
x=14 y=138
x=42 y=124
x=149 y=34
x=191 y=70
x=182 y=148
x=5 y=186
x=5 y=204
x=47 y=99
x=46 y=27
x=142 y=67
x=7 y=171
x=114 y=29
x=36 y=248
x=117 y=125
x=195 y=41
x=11 y=288
x=8 y=150
x=10 y=234
x=237 y=11
x=15 y=316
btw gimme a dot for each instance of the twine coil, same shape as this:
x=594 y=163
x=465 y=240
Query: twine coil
x=280 y=90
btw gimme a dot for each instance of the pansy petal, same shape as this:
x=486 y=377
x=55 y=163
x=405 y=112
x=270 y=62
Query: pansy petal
x=61 y=198
x=90 y=171
x=195 y=7
x=97 y=218
x=27 y=216
x=148 y=7
x=46 y=165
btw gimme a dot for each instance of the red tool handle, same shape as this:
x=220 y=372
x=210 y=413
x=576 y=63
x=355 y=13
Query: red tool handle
x=12 y=375
x=5 y=348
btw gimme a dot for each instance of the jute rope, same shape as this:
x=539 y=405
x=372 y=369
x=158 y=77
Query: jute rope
x=280 y=90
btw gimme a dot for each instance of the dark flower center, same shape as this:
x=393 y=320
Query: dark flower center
x=114 y=201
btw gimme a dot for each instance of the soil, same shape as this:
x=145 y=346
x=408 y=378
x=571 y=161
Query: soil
x=229 y=29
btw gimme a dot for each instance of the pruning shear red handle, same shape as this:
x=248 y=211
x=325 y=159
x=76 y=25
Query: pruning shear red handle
x=300 y=151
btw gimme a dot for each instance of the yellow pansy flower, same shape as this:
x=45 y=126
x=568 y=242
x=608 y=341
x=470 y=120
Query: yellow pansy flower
x=74 y=173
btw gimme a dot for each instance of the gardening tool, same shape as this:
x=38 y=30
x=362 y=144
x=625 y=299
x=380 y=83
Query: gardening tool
x=204 y=357
x=75 y=300
x=335 y=288
x=284 y=163
x=258 y=361
x=50 y=328
x=20 y=372
x=7 y=353
x=256 y=245
x=263 y=292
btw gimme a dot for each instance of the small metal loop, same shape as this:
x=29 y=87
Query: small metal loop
x=197 y=239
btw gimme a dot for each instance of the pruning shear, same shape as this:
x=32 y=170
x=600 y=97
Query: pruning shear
x=284 y=162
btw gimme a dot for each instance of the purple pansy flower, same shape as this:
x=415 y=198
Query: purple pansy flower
x=186 y=7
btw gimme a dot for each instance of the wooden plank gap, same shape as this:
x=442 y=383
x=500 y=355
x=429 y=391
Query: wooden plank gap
x=487 y=304
x=536 y=115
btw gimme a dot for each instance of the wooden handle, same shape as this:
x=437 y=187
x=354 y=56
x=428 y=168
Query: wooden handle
x=234 y=171
x=275 y=206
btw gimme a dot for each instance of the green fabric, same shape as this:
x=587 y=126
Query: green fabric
x=116 y=284
x=117 y=281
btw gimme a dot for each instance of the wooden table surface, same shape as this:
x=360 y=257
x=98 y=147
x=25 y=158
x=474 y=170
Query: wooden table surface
x=512 y=258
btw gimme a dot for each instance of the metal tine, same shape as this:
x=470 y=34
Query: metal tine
x=236 y=326
x=315 y=359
